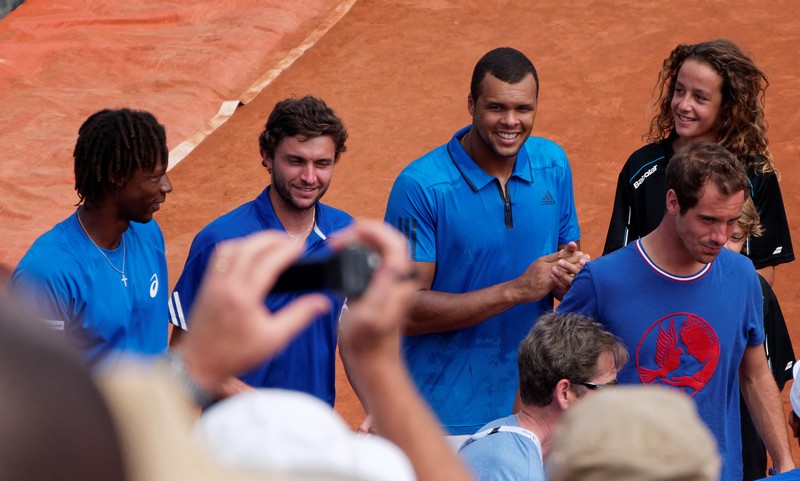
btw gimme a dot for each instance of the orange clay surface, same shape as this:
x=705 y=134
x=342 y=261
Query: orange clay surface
x=398 y=74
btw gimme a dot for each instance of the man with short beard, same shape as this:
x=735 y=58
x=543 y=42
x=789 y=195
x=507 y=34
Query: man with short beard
x=300 y=145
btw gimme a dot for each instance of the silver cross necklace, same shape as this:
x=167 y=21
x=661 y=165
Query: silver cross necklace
x=120 y=271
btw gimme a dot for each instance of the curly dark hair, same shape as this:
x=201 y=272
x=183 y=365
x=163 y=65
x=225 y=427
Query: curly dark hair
x=307 y=117
x=112 y=146
x=741 y=126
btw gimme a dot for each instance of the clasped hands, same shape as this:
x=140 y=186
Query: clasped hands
x=552 y=273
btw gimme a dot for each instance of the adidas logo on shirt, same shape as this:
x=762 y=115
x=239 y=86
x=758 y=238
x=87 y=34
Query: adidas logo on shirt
x=548 y=199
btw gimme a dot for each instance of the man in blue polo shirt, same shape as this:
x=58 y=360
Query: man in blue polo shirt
x=300 y=145
x=484 y=214
x=100 y=275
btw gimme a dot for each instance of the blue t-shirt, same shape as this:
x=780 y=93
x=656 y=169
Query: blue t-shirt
x=454 y=214
x=687 y=333
x=69 y=283
x=504 y=455
x=308 y=363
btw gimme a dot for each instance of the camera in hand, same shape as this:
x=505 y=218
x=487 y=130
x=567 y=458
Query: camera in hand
x=346 y=272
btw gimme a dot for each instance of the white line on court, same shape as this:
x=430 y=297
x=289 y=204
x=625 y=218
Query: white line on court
x=228 y=107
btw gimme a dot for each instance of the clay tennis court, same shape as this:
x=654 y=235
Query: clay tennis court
x=398 y=74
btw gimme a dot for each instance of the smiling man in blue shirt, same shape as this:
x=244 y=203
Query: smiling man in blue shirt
x=484 y=214
x=300 y=146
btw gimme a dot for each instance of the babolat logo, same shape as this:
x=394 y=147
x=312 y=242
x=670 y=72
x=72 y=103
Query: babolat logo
x=548 y=199
x=644 y=176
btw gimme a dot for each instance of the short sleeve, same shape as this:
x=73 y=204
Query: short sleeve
x=45 y=296
x=618 y=226
x=410 y=210
x=754 y=312
x=582 y=296
x=780 y=352
x=568 y=225
x=182 y=297
x=775 y=246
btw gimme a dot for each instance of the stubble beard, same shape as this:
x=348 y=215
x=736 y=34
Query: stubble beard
x=281 y=188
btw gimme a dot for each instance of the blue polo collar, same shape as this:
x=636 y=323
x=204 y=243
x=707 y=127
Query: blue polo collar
x=269 y=220
x=473 y=175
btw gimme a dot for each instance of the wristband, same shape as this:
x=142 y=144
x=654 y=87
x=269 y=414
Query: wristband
x=177 y=367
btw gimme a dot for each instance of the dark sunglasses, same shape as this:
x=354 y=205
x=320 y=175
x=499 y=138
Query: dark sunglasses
x=594 y=386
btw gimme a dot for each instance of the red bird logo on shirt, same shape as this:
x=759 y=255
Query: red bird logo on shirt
x=668 y=354
x=660 y=357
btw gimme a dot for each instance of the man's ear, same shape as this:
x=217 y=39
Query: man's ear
x=673 y=206
x=266 y=161
x=563 y=394
x=471 y=105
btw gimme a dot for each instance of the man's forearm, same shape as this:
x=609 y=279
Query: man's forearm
x=765 y=406
x=771 y=426
x=435 y=311
x=344 y=355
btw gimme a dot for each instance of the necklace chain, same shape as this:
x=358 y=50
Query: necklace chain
x=297 y=237
x=120 y=271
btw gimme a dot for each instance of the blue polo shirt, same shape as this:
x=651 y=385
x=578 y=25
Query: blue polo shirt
x=308 y=363
x=454 y=214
